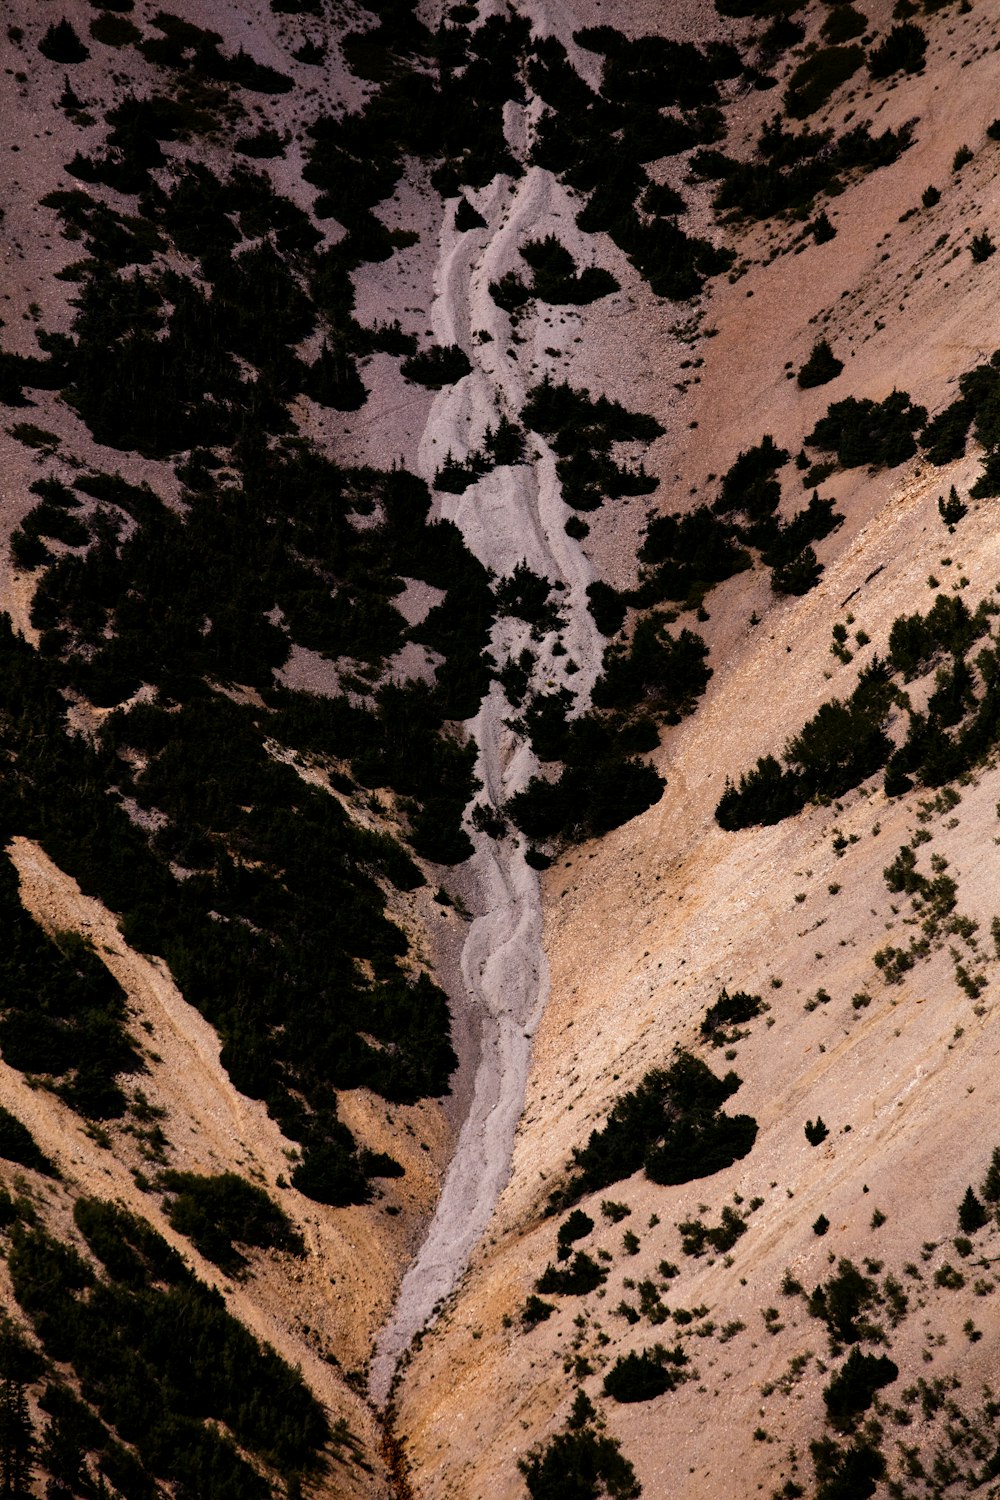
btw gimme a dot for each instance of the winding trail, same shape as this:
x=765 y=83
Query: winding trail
x=511 y=515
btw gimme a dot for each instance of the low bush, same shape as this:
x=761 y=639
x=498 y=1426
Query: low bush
x=643 y=1377
x=215 y=1212
x=671 y=1125
x=444 y=364
x=821 y=367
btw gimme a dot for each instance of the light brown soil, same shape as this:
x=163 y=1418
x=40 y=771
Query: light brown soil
x=644 y=929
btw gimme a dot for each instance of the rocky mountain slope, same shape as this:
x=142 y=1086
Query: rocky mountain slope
x=452 y=456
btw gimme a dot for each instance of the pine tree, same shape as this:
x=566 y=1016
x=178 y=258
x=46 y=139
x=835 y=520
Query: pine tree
x=951 y=510
x=991 y=1182
x=17 y=1440
x=971 y=1213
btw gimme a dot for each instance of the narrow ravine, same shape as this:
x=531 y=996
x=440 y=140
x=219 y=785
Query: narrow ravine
x=513 y=514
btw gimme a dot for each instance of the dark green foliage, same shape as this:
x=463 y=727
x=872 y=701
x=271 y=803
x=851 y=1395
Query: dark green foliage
x=798 y=575
x=527 y=596
x=671 y=1125
x=971 y=1213
x=643 y=1377
x=815 y=79
x=728 y=1011
x=765 y=795
x=264 y=145
x=586 y=800
x=683 y=556
x=581 y=1276
x=467 y=217
x=555 y=276
x=788 y=171
x=842 y=1301
x=822 y=229
x=662 y=673
x=915 y=640
x=535 y=1311
x=19 y=1365
x=607 y=606
x=981 y=247
x=330 y=1171
x=846 y=1473
x=131 y=1252
x=903 y=50
x=845 y=743
x=114 y=31
x=155 y=1353
x=944 y=437
x=62 y=45
x=308 y=901
x=991 y=1182
x=61 y=1014
x=582 y=431
x=879 y=434
x=17 y=1144
x=510 y=292
x=821 y=367
x=579 y=1465
x=576 y=1226
x=697 y=1237
x=663 y=201
x=216 y=1211
x=749 y=485
x=930 y=196
x=821 y=1225
x=841 y=746
x=816 y=1131
x=599 y=142
x=843 y=23
x=441 y=365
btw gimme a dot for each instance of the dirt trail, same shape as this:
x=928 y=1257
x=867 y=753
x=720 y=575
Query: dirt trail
x=513 y=514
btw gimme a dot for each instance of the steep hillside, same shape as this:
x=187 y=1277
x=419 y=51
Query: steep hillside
x=645 y=928
x=451 y=456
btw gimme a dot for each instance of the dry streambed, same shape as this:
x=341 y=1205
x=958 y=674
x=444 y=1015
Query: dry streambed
x=512 y=515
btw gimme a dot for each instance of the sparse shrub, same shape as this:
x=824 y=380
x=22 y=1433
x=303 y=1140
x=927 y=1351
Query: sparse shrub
x=961 y=158
x=579 y=1465
x=981 y=247
x=576 y=1226
x=903 y=50
x=643 y=1377
x=62 y=45
x=852 y=1389
x=841 y=1302
x=443 y=364
x=535 y=1311
x=727 y=1012
x=821 y=367
x=815 y=79
x=581 y=1276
